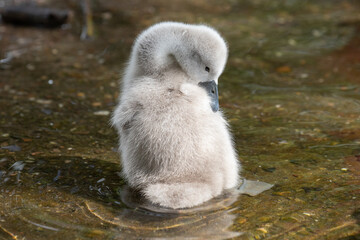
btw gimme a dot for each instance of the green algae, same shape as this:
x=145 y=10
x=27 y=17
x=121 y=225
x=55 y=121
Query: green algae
x=290 y=91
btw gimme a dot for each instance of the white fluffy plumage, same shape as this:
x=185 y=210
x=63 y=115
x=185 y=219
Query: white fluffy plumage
x=174 y=148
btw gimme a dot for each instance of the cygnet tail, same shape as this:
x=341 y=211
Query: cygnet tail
x=178 y=195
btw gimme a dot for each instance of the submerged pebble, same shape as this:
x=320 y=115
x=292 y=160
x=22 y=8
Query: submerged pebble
x=253 y=188
x=102 y=113
x=12 y=148
x=18 y=166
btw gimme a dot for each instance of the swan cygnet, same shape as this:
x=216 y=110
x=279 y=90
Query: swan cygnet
x=175 y=145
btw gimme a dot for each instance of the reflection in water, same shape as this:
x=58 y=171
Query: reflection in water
x=82 y=197
x=208 y=221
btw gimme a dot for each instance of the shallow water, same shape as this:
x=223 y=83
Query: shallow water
x=290 y=91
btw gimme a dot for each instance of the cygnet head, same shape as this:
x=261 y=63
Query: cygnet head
x=197 y=50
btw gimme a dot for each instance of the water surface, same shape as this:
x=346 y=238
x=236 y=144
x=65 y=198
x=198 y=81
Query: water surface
x=291 y=92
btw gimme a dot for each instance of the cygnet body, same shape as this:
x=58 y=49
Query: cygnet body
x=175 y=145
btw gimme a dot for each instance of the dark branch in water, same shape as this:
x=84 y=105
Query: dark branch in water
x=32 y=15
x=13 y=236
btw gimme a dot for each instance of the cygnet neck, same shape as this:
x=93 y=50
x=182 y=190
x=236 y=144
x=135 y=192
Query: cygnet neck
x=156 y=51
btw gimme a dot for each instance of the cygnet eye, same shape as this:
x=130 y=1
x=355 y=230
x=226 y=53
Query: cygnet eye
x=207 y=69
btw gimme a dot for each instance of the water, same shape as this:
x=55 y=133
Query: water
x=290 y=91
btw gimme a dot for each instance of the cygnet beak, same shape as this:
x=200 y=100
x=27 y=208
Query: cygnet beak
x=212 y=90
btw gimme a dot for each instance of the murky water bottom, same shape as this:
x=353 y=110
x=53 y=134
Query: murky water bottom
x=61 y=202
x=291 y=92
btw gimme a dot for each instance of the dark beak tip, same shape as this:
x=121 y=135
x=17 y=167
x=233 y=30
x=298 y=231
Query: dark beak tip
x=211 y=89
x=215 y=108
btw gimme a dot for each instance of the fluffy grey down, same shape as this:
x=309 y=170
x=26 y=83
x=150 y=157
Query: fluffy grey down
x=174 y=148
